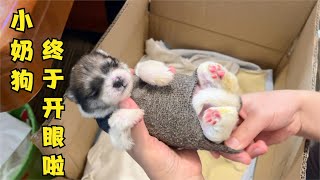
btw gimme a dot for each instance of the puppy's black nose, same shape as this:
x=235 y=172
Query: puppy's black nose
x=118 y=83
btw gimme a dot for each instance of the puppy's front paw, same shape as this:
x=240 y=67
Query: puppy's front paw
x=155 y=73
x=124 y=119
x=137 y=115
x=121 y=123
x=121 y=139
x=217 y=123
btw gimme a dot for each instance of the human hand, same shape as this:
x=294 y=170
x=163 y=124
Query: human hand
x=268 y=118
x=156 y=158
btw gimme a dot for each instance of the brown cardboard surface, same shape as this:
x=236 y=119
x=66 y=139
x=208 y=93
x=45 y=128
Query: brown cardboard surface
x=79 y=136
x=120 y=41
x=125 y=38
x=271 y=24
x=281 y=160
x=303 y=63
x=284 y=161
x=180 y=35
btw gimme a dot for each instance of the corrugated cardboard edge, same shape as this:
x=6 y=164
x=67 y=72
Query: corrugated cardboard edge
x=124 y=7
x=235 y=19
x=315 y=79
x=316 y=50
x=125 y=39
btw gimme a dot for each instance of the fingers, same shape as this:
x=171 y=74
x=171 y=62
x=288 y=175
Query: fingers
x=243 y=135
x=128 y=104
x=280 y=135
x=257 y=149
x=215 y=154
x=252 y=151
x=242 y=157
x=139 y=132
x=274 y=137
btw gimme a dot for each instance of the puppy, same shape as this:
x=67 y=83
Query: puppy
x=98 y=82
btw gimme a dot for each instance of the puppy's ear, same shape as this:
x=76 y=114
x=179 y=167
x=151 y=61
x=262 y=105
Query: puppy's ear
x=101 y=52
x=70 y=95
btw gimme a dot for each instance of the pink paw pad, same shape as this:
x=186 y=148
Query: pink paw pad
x=211 y=116
x=172 y=69
x=216 y=71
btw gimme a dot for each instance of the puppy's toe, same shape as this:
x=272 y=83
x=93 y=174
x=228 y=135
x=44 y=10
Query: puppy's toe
x=217 y=123
x=211 y=74
x=139 y=113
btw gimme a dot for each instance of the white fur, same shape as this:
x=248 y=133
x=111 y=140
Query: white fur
x=205 y=77
x=220 y=95
x=102 y=52
x=214 y=97
x=113 y=95
x=155 y=51
x=154 y=73
x=120 y=124
x=158 y=51
x=223 y=128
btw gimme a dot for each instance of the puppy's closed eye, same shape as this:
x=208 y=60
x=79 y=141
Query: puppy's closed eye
x=95 y=87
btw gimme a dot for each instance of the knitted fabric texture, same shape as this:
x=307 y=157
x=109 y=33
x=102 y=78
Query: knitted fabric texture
x=169 y=115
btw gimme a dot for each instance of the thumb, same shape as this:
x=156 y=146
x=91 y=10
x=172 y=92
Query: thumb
x=128 y=104
x=139 y=132
x=243 y=135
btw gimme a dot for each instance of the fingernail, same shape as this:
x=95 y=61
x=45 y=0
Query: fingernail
x=232 y=143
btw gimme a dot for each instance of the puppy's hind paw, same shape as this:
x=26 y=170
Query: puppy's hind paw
x=217 y=123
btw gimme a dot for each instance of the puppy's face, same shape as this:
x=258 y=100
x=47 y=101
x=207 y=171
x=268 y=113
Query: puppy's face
x=98 y=82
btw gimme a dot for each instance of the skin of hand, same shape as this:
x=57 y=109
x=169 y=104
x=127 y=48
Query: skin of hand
x=157 y=159
x=270 y=118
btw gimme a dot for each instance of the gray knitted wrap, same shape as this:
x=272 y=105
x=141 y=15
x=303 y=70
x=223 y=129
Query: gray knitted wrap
x=169 y=115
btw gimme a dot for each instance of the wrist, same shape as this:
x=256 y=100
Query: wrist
x=309 y=115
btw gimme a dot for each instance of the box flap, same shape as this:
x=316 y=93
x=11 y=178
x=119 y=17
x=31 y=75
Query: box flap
x=79 y=136
x=270 y=24
x=180 y=35
x=288 y=159
x=303 y=63
x=125 y=43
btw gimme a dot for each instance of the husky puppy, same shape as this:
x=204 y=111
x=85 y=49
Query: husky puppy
x=99 y=82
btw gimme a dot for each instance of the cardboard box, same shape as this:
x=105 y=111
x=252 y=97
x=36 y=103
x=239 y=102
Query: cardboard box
x=281 y=35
